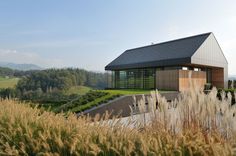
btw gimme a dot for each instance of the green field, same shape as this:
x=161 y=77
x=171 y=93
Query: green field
x=128 y=91
x=133 y=91
x=8 y=82
x=80 y=90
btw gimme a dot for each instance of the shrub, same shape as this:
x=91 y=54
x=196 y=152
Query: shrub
x=83 y=100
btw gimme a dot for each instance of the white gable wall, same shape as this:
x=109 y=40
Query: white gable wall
x=210 y=53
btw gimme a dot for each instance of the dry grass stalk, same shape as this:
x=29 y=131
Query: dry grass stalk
x=195 y=124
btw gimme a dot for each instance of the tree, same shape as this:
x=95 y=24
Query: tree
x=61 y=79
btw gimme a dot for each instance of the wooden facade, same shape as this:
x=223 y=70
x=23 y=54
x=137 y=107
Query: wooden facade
x=198 y=78
x=179 y=79
x=167 y=79
x=218 y=77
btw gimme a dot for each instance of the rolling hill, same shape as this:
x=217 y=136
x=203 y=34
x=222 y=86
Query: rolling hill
x=23 y=67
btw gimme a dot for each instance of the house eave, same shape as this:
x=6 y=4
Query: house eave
x=160 y=63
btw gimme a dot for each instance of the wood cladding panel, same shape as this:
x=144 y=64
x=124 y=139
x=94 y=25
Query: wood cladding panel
x=167 y=80
x=179 y=79
x=218 y=77
x=198 y=78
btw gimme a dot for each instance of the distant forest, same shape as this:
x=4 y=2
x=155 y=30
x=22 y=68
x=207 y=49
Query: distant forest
x=51 y=80
x=61 y=79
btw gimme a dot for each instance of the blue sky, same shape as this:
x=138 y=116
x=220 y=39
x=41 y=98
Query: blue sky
x=89 y=34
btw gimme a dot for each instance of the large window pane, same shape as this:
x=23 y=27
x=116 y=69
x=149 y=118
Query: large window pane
x=138 y=79
x=209 y=75
x=130 y=78
x=149 y=78
x=135 y=78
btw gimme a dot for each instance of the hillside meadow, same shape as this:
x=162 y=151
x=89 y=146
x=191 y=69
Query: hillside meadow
x=202 y=125
x=6 y=82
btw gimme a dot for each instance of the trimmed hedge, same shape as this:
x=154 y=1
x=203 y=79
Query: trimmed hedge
x=89 y=100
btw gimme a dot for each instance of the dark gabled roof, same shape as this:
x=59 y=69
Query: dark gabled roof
x=169 y=53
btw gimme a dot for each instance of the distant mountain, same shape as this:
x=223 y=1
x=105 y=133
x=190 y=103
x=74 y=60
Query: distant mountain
x=23 y=67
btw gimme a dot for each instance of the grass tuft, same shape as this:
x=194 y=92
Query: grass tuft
x=195 y=124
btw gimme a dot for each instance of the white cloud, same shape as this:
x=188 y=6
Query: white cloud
x=14 y=56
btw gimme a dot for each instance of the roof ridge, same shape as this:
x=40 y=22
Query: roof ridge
x=171 y=41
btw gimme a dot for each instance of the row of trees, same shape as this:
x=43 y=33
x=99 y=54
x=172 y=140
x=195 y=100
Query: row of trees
x=14 y=73
x=50 y=83
x=61 y=79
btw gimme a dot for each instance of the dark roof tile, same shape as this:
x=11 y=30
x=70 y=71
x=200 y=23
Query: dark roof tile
x=162 y=54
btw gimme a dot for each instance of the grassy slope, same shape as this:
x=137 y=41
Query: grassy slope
x=96 y=102
x=112 y=94
x=80 y=90
x=8 y=82
x=128 y=91
x=132 y=91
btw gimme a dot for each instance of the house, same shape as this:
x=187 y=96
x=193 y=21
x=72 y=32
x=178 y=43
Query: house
x=170 y=65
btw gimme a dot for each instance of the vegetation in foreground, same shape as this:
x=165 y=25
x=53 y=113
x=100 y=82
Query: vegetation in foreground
x=204 y=126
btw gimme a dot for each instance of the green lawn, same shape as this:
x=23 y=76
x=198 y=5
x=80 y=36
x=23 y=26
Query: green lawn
x=80 y=90
x=133 y=91
x=8 y=82
x=128 y=91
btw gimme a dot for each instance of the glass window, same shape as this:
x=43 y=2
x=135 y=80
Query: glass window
x=135 y=78
x=131 y=78
x=122 y=79
x=149 y=79
x=209 y=75
x=138 y=78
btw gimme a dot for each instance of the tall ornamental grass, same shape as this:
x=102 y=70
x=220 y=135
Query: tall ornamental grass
x=195 y=124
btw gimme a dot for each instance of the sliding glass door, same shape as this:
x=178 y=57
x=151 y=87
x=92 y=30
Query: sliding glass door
x=135 y=78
